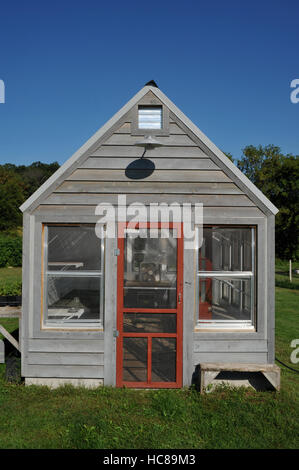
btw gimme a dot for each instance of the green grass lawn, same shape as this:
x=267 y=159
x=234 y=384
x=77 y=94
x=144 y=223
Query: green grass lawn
x=107 y=418
x=10 y=274
x=282 y=274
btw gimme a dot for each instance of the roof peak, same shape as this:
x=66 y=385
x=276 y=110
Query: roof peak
x=151 y=83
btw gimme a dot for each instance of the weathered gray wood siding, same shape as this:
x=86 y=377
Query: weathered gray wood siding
x=51 y=353
x=181 y=169
x=65 y=358
x=184 y=172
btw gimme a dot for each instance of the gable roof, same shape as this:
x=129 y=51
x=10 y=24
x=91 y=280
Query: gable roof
x=202 y=140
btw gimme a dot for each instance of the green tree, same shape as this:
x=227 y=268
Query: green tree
x=277 y=176
x=11 y=197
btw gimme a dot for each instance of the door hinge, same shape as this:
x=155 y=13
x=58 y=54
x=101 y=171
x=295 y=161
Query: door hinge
x=116 y=252
x=115 y=333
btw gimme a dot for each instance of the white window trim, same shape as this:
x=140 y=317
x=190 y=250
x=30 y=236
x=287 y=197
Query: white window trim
x=78 y=324
x=235 y=325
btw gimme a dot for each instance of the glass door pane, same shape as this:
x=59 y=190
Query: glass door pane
x=150 y=271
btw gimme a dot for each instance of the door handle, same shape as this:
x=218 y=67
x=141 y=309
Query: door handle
x=180 y=297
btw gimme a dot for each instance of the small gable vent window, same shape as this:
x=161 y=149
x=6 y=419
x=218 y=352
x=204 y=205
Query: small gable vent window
x=150 y=117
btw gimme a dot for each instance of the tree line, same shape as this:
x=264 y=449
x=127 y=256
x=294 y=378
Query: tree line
x=275 y=174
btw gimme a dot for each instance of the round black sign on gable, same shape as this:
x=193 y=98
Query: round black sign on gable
x=140 y=169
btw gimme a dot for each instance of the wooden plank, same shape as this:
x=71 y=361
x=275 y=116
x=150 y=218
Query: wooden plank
x=212 y=215
x=111 y=189
x=75 y=333
x=253 y=357
x=212 y=200
x=175 y=129
x=182 y=176
x=126 y=129
x=261 y=275
x=56 y=371
x=110 y=312
x=233 y=346
x=39 y=299
x=236 y=213
x=10 y=312
x=66 y=345
x=64 y=359
x=26 y=287
x=270 y=270
x=9 y=337
x=172 y=140
x=188 y=320
x=159 y=152
x=122 y=163
x=238 y=366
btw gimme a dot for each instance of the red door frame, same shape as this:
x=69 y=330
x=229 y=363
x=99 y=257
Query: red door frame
x=178 y=310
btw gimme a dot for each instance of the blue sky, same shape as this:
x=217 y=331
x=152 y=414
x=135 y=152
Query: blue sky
x=68 y=66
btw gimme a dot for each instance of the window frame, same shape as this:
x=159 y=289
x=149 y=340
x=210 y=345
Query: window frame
x=246 y=325
x=152 y=107
x=137 y=131
x=100 y=275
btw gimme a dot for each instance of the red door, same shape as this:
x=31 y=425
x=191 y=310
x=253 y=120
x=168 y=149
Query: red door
x=150 y=306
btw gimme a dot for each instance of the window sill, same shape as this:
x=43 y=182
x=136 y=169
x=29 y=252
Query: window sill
x=72 y=327
x=223 y=329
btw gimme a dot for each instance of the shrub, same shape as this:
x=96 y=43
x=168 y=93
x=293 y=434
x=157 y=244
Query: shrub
x=286 y=284
x=11 y=288
x=10 y=251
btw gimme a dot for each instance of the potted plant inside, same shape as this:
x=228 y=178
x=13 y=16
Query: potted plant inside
x=11 y=293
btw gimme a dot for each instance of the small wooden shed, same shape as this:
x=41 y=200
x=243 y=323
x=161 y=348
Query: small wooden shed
x=133 y=309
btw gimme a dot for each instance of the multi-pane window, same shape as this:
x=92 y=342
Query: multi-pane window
x=73 y=275
x=226 y=277
x=150 y=117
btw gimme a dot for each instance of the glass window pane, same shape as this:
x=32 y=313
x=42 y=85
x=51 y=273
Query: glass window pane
x=224 y=299
x=150 y=117
x=135 y=359
x=73 y=298
x=73 y=248
x=149 y=322
x=163 y=359
x=150 y=271
x=226 y=249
